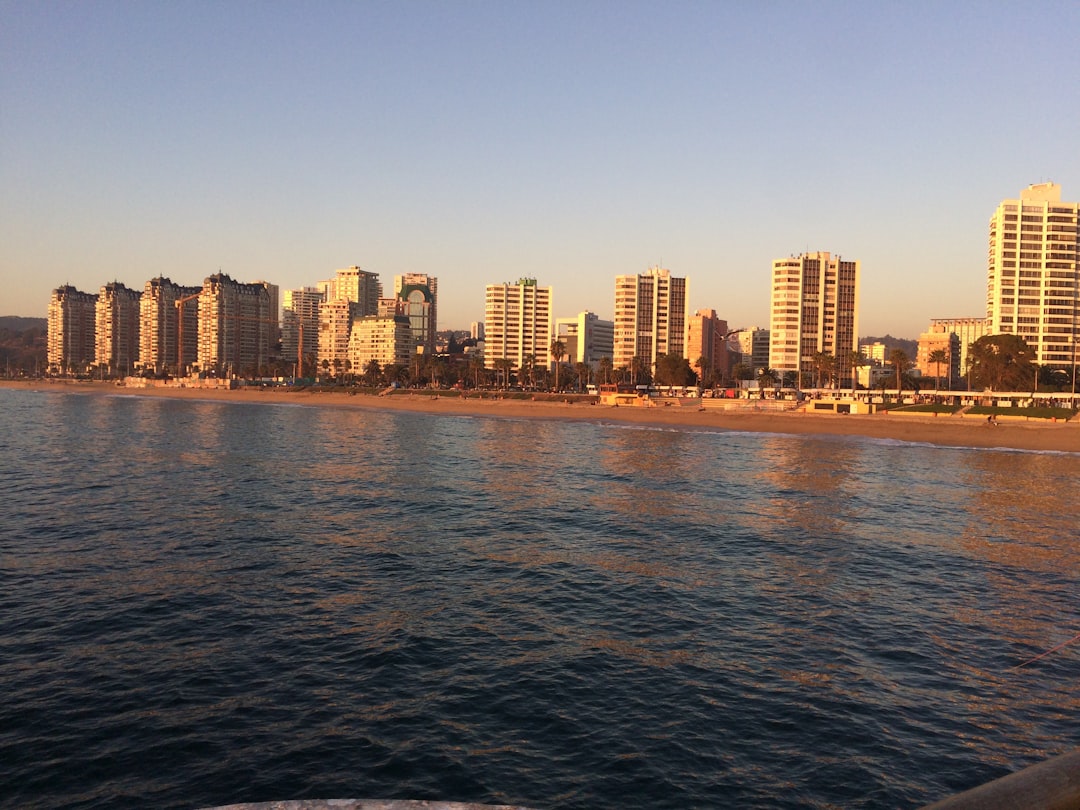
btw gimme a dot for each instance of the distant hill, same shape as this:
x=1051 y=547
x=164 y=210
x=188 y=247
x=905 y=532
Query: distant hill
x=22 y=345
x=909 y=347
x=19 y=324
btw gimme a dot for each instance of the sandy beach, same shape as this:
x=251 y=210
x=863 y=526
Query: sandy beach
x=956 y=431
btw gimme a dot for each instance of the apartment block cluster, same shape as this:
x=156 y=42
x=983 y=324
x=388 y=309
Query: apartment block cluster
x=1032 y=286
x=227 y=327
x=345 y=322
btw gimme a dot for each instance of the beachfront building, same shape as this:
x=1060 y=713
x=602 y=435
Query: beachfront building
x=814 y=309
x=356 y=285
x=650 y=319
x=335 y=325
x=388 y=340
x=517 y=323
x=1033 y=283
x=967 y=331
x=116 y=329
x=939 y=339
x=72 y=340
x=235 y=325
x=418 y=294
x=752 y=345
x=587 y=338
x=300 y=326
x=161 y=306
x=707 y=346
x=351 y=293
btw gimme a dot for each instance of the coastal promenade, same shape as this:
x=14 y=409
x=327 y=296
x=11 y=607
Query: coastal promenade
x=950 y=431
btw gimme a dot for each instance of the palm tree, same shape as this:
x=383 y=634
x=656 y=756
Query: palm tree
x=700 y=364
x=899 y=360
x=856 y=360
x=824 y=363
x=503 y=367
x=767 y=378
x=558 y=351
x=584 y=372
x=605 y=368
x=372 y=371
x=937 y=357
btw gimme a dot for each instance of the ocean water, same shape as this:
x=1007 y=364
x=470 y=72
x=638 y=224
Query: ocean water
x=205 y=603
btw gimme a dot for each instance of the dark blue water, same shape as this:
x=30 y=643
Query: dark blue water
x=205 y=603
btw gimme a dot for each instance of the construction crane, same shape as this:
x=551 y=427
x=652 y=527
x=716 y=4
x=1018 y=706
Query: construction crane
x=180 y=327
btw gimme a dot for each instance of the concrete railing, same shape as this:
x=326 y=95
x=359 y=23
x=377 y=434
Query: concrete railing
x=1050 y=785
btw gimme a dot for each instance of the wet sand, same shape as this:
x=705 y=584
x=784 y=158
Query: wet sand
x=955 y=431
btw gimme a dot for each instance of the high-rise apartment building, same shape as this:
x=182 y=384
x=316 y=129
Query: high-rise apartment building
x=116 y=327
x=160 y=308
x=814 y=308
x=650 y=318
x=933 y=340
x=753 y=347
x=388 y=340
x=356 y=285
x=419 y=295
x=72 y=341
x=967 y=331
x=352 y=293
x=706 y=342
x=300 y=325
x=235 y=324
x=517 y=323
x=335 y=325
x=587 y=338
x=1033 y=283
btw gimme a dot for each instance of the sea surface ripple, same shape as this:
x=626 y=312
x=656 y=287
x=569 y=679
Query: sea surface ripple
x=206 y=603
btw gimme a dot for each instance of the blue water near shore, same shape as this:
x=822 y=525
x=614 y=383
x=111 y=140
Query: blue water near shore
x=207 y=603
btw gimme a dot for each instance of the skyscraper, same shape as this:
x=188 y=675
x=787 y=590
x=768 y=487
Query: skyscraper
x=300 y=318
x=517 y=323
x=706 y=341
x=235 y=324
x=117 y=328
x=71 y=339
x=1032 y=278
x=650 y=318
x=419 y=295
x=356 y=285
x=586 y=338
x=814 y=308
x=160 y=309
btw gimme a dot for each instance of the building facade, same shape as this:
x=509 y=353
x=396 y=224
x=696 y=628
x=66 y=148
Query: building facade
x=300 y=326
x=335 y=325
x=753 y=347
x=356 y=285
x=933 y=340
x=587 y=338
x=161 y=307
x=235 y=324
x=72 y=340
x=517 y=323
x=1032 y=283
x=419 y=296
x=707 y=346
x=388 y=340
x=967 y=331
x=116 y=327
x=814 y=308
x=650 y=318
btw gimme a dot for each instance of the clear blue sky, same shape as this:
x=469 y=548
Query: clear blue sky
x=569 y=141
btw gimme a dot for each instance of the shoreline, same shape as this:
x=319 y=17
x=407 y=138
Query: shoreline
x=944 y=431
